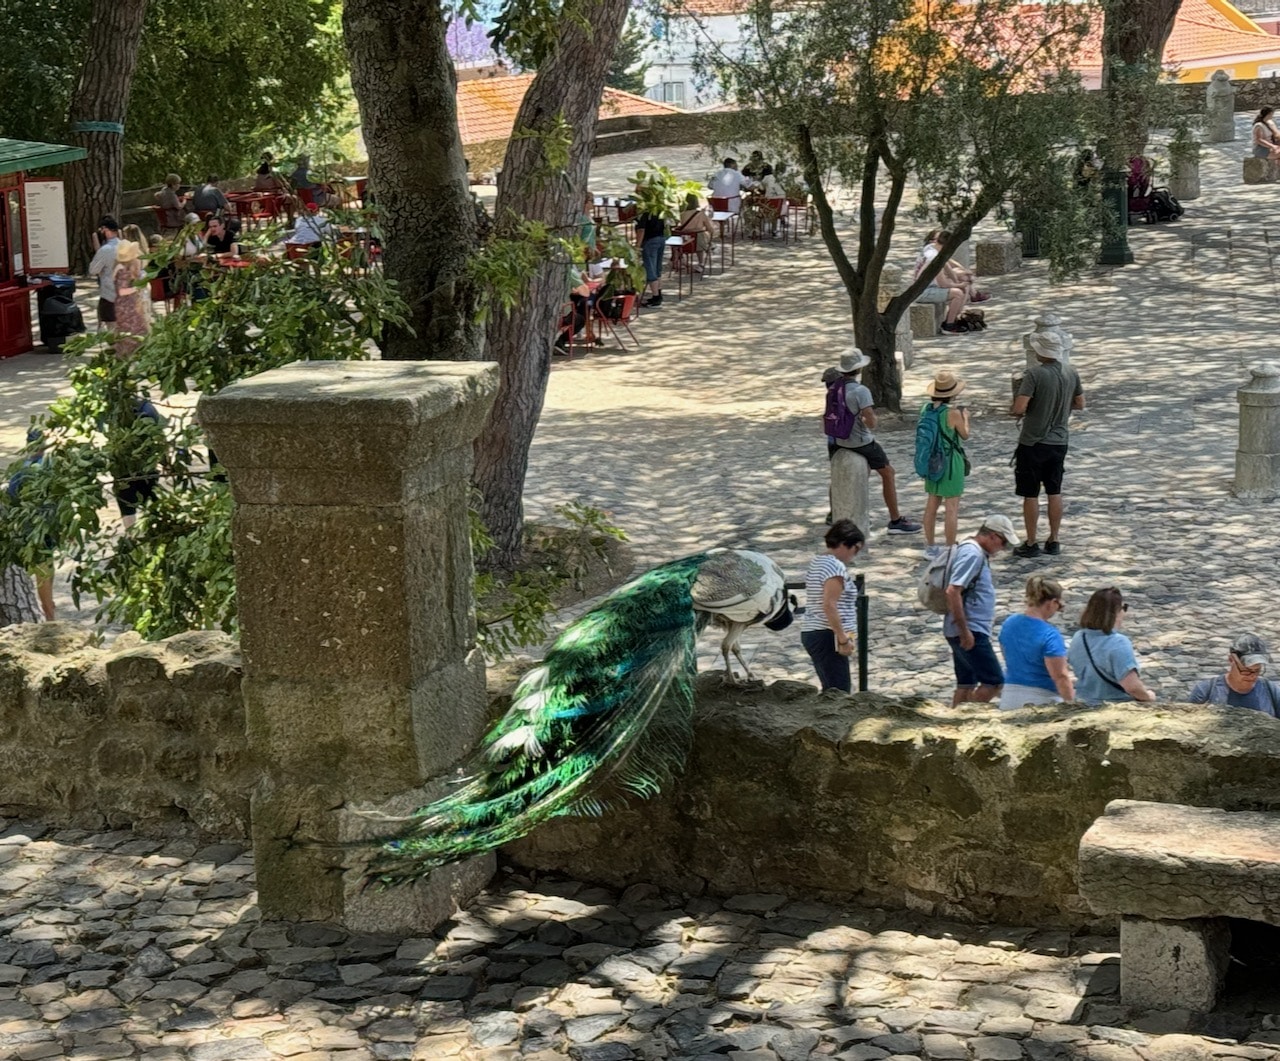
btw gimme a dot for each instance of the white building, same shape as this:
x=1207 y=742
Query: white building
x=677 y=37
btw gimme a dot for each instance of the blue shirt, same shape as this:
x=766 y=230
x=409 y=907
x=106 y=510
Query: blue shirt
x=1113 y=654
x=969 y=568
x=1025 y=641
x=1264 y=696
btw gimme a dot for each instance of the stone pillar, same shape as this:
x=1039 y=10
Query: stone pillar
x=1184 y=177
x=1173 y=964
x=1220 y=108
x=353 y=572
x=1258 y=456
x=850 y=493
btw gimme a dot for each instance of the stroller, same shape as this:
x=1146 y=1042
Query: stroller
x=1151 y=204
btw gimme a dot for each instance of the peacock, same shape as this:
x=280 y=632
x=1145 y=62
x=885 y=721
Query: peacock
x=608 y=712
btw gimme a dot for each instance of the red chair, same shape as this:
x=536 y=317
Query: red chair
x=719 y=204
x=628 y=310
x=566 y=329
x=171 y=302
x=306 y=196
x=296 y=251
x=799 y=215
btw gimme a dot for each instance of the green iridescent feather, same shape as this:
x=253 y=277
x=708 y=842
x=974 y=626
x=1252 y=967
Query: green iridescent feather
x=609 y=711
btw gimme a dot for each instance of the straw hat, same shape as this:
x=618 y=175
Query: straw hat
x=127 y=251
x=945 y=385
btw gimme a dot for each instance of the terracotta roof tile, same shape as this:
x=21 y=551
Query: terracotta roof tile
x=487 y=106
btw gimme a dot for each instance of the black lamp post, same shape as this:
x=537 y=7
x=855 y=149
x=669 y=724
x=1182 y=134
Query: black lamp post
x=1115 y=235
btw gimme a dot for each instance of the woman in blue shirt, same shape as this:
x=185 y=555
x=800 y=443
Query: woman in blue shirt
x=1035 y=656
x=1102 y=659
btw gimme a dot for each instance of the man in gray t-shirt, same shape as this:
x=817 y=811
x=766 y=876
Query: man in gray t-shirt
x=861 y=440
x=1048 y=394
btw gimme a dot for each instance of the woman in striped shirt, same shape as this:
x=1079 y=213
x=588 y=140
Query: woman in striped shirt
x=830 y=598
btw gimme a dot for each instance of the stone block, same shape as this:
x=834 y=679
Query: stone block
x=1258 y=456
x=1256 y=170
x=1165 y=861
x=1173 y=964
x=353 y=572
x=926 y=319
x=998 y=255
x=850 y=493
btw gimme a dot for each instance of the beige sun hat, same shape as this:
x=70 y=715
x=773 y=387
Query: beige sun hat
x=127 y=251
x=945 y=385
x=1046 y=344
x=853 y=361
x=1001 y=525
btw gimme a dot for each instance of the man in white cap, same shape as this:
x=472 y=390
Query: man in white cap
x=862 y=441
x=971 y=612
x=1243 y=684
x=1048 y=394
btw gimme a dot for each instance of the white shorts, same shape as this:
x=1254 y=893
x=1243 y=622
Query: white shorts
x=1013 y=696
x=934 y=295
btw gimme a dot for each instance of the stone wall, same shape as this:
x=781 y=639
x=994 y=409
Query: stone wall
x=150 y=734
x=972 y=813
x=962 y=813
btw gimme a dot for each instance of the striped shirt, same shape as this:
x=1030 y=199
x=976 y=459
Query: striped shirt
x=822 y=568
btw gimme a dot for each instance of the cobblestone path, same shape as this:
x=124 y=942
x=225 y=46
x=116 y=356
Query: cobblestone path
x=118 y=947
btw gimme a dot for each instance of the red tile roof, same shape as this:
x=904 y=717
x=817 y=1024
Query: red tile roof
x=487 y=106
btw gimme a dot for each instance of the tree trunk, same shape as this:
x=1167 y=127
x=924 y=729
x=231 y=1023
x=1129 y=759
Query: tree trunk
x=1134 y=33
x=97 y=113
x=403 y=79
x=568 y=85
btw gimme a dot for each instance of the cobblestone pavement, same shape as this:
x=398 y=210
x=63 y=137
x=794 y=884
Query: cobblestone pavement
x=116 y=946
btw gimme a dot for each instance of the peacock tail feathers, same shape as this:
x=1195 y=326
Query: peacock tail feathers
x=608 y=712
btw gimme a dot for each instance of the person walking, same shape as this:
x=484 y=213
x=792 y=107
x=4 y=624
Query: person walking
x=861 y=440
x=1101 y=657
x=651 y=237
x=133 y=309
x=1045 y=400
x=952 y=428
x=971 y=612
x=1243 y=684
x=1035 y=655
x=103 y=268
x=830 y=613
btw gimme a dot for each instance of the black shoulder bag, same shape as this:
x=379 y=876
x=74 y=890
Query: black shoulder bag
x=1084 y=640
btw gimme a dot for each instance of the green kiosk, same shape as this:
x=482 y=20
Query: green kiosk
x=33 y=233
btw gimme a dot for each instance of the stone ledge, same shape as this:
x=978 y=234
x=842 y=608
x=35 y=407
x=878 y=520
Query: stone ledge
x=1168 y=862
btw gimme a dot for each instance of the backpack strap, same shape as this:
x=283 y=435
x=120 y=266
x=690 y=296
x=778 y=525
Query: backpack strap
x=1084 y=640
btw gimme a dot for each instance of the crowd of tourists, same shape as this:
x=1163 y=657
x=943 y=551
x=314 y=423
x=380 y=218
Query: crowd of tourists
x=1038 y=667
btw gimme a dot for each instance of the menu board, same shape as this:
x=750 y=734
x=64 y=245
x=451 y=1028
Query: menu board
x=46 y=227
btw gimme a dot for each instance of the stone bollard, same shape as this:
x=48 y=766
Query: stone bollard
x=1220 y=107
x=353 y=572
x=850 y=494
x=1258 y=457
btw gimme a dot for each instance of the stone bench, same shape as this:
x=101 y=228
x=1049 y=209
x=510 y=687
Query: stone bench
x=1259 y=170
x=926 y=319
x=998 y=255
x=1175 y=874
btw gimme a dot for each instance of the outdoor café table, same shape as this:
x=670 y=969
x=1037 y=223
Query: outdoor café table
x=723 y=217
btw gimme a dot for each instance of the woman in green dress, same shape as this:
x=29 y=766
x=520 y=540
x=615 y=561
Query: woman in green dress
x=953 y=426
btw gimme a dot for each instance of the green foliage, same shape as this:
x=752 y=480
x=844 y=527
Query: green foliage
x=514 y=611
x=216 y=81
x=661 y=193
x=628 y=67
x=172 y=570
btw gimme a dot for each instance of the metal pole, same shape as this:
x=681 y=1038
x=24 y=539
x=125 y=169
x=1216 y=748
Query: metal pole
x=861 y=582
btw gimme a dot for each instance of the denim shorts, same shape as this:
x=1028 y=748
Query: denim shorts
x=977 y=665
x=651 y=251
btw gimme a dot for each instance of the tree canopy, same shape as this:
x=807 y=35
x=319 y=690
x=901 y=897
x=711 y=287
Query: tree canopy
x=217 y=81
x=938 y=109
